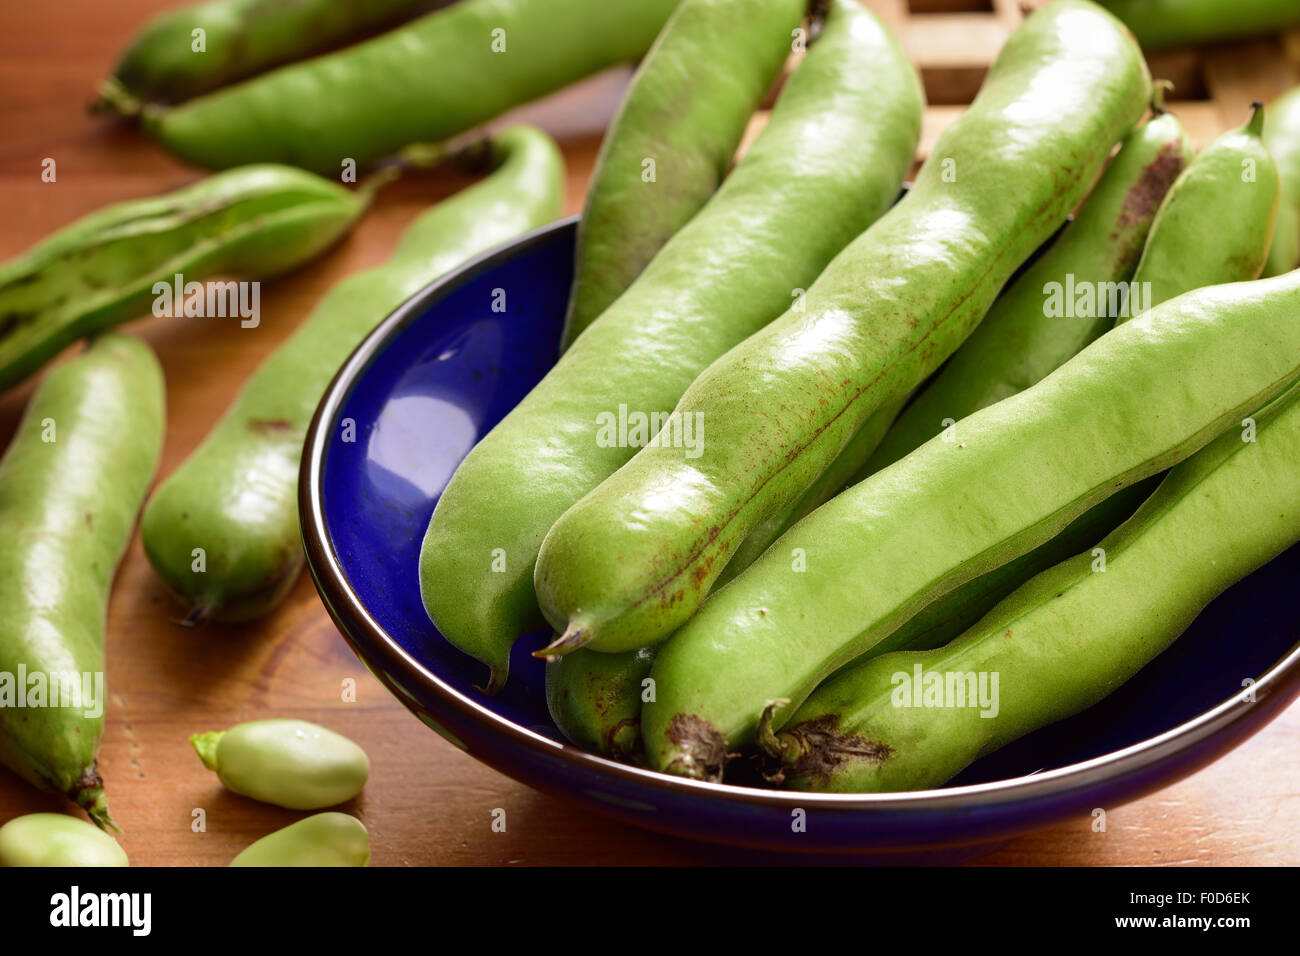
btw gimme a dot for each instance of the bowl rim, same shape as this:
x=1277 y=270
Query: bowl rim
x=375 y=643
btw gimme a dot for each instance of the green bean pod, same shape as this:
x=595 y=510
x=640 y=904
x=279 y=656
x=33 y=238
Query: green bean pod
x=1068 y=637
x=423 y=82
x=1000 y=358
x=1216 y=224
x=56 y=839
x=1161 y=24
x=632 y=561
x=830 y=161
x=1212 y=227
x=252 y=551
x=1282 y=137
x=682 y=119
x=1142 y=397
x=947 y=616
x=326 y=839
x=1003 y=355
x=250 y=223
x=1018 y=343
x=71 y=483
x=1015 y=344
x=288 y=763
x=595 y=699
x=240 y=38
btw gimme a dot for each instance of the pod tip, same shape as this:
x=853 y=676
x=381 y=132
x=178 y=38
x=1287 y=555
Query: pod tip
x=575 y=636
x=1255 y=125
x=1159 y=90
x=496 y=680
x=95 y=803
x=197 y=616
x=205 y=745
x=114 y=98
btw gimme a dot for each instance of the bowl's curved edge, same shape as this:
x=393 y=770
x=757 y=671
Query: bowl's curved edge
x=904 y=823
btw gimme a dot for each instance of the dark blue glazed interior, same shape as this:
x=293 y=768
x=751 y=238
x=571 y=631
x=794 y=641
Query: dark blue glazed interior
x=446 y=375
x=426 y=399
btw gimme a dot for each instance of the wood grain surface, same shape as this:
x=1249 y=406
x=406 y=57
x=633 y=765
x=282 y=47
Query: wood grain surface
x=426 y=803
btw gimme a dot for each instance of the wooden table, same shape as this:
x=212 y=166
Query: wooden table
x=426 y=803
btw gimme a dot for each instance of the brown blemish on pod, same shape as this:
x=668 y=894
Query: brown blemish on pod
x=702 y=748
x=1146 y=195
x=813 y=749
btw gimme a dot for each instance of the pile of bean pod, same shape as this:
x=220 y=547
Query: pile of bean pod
x=899 y=460
x=909 y=462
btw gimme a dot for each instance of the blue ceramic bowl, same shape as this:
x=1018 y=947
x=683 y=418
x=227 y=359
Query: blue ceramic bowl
x=444 y=368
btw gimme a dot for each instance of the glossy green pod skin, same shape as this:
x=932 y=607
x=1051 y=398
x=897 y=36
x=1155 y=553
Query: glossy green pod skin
x=1282 y=137
x=420 y=83
x=56 y=839
x=1071 y=635
x=236 y=496
x=241 y=38
x=1216 y=224
x=1161 y=24
x=595 y=699
x=67 y=508
x=250 y=223
x=830 y=160
x=1212 y=227
x=632 y=561
x=1000 y=358
x=326 y=839
x=1018 y=343
x=946 y=617
x=1144 y=396
x=685 y=112
x=1014 y=345
x=289 y=763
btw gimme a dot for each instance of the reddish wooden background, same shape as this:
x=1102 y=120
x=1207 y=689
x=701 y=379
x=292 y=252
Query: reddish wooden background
x=428 y=803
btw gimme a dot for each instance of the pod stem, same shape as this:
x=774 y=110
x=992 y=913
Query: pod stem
x=423 y=155
x=1255 y=125
x=471 y=153
x=467 y=152
x=767 y=739
x=476 y=156
x=1158 y=91
x=623 y=740
x=377 y=181
x=205 y=745
x=115 y=98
